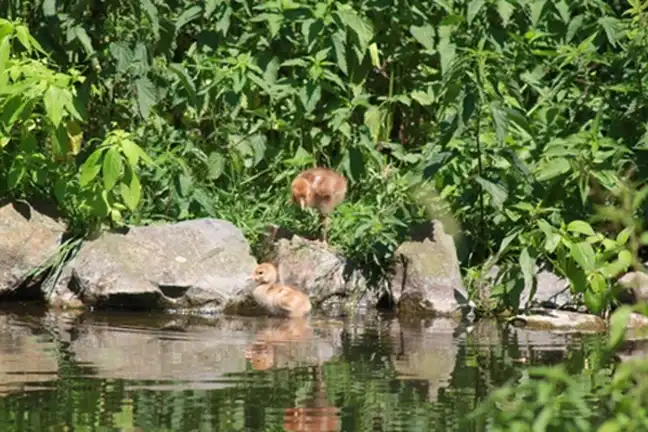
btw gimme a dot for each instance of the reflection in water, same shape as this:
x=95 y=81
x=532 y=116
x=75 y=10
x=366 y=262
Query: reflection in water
x=124 y=371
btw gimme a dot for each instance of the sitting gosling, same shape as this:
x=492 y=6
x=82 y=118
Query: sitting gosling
x=277 y=298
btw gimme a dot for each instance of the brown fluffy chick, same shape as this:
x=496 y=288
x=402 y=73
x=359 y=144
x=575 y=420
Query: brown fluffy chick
x=322 y=189
x=278 y=299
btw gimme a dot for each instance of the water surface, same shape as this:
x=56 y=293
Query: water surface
x=128 y=371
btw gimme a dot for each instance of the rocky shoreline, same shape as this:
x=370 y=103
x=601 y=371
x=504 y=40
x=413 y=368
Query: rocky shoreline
x=201 y=266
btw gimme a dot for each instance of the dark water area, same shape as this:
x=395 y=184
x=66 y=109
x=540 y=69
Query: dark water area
x=154 y=372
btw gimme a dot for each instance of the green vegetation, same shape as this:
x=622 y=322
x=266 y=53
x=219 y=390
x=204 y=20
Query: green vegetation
x=513 y=118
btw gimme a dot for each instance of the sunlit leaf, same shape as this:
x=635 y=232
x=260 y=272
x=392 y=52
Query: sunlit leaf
x=152 y=13
x=581 y=227
x=82 y=36
x=474 y=6
x=424 y=35
x=498 y=193
x=527 y=265
x=146 y=96
x=216 y=165
x=111 y=168
x=500 y=120
x=537 y=9
x=131 y=193
x=618 y=325
x=447 y=53
x=53 y=100
x=552 y=169
x=505 y=10
x=187 y=16
x=373 y=119
x=584 y=255
x=90 y=168
x=356 y=23
x=339 y=44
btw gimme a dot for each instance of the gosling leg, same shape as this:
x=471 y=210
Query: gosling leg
x=324 y=220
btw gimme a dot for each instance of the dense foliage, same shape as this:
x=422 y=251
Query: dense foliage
x=514 y=118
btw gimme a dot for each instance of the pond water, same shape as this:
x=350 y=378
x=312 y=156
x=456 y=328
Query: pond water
x=143 y=372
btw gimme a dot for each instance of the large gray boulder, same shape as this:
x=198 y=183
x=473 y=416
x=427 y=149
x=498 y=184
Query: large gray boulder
x=28 y=239
x=195 y=264
x=426 y=279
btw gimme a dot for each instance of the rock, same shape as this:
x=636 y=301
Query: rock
x=636 y=285
x=637 y=321
x=28 y=239
x=195 y=264
x=552 y=291
x=426 y=279
x=550 y=319
x=334 y=286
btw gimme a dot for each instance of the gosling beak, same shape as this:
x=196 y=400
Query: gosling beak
x=302 y=204
x=249 y=277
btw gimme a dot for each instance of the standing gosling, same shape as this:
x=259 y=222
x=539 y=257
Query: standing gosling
x=322 y=189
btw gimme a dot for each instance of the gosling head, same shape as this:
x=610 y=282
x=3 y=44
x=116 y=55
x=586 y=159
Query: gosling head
x=301 y=192
x=265 y=273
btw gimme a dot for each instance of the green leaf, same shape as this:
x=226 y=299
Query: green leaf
x=373 y=119
x=82 y=36
x=5 y=50
x=339 y=45
x=574 y=25
x=133 y=152
x=49 y=8
x=611 y=27
x=16 y=173
x=187 y=16
x=581 y=227
x=517 y=117
x=593 y=301
x=112 y=168
x=90 y=168
x=583 y=254
x=357 y=24
x=225 y=20
x=537 y=8
x=122 y=53
x=53 y=100
x=186 y=81
x=500 y=120
x=131 y=193
x=60 y=190
x=498 y=193
x=552 y=241
x=447 y=54
x=424 y=35
x=210 y=7
x=22 y=32
x=527 y=265
x=473 y=9
x=310 y=95
x=505 y=10
x=152 y=13
x=611 y=425
x=424 y=98
x=552 y=168
x=146 y=96
x=216 y=165
x=563 y=10
x=618 y=326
